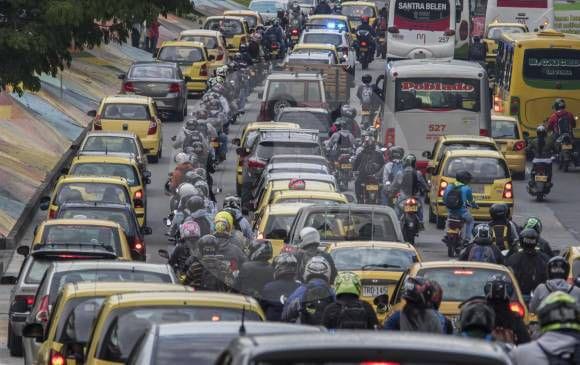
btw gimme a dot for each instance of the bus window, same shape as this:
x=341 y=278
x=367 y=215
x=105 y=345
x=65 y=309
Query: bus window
x=551 y=64
x=422 y=15
x=441 y=94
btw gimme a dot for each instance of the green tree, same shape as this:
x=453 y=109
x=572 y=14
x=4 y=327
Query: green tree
x=38 y=36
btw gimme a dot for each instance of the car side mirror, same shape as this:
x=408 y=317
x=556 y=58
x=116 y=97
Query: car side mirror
x=34 y=330
x=426 y=154
x=577 y=281
x=236 y=141
x=146 y=230
x=74 y=147
x=23 y=250
x=163 y=253
x=349 y=198
x=92 y=113
x=8 y=280
x=121 y=76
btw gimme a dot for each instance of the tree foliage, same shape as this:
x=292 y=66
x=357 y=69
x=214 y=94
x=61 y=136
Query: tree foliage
x=38 y=36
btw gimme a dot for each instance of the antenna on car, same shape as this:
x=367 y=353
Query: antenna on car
x=242 y=330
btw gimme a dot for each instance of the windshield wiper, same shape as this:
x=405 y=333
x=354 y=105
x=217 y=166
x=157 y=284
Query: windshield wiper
x=382 y=266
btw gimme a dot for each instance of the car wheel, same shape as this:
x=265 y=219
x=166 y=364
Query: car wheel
x=14 y=343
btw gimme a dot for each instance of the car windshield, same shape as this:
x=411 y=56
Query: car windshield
x=183 y=55
x=294 y=91
x=80 y=234
x=359 y=258
x=114 y=215
x=210 y=42
x=195 y=349
x=36 y=271
x=307 y=120
x=125 y=326
x=431 y=15
x=335 y=39
x=484 y=170
x=357 y=11
x=107 y=169
x=266 y=150
x=152 y=72
x=110 y=144
x=437 y=94
x=227 y=27
x=252 y=20
x=461 y=284
x=265 y=6
x=76 y=319
x=92 y=192
x=278 y=226
x=495 y=33
x=126 y=112
x=352 y=226
x=504 y=130
x=465 y=146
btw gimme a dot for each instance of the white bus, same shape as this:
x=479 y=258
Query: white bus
x=535 y=14
x=420 y=29
x=429 y=98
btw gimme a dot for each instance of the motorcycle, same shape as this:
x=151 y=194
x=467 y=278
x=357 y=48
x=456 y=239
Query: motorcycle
x=370 y=190
x=453 y=238
x=363 y=44
x=540 y=181
x=343 y=171
x=410 y=219
x=366 y=106
x=568 y=153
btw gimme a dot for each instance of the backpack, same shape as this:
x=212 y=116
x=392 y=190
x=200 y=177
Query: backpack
x=217 y=275
x=409 y=183
x=316 y=298
x=564 y=124
x=481 y=253
x=565 y=358
x=453 y=199
x=352 y=316
x=366 y=95
x=501 y=236
x=504 y=334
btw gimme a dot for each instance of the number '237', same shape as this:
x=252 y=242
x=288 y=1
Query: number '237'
x=437 y=127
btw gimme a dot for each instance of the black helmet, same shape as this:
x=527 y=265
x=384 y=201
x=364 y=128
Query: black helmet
x=498 y=288
x=558 y=268
x=366 y=79
x=261 y=250
x=476 y=314
x=232 y=202
x=285 y=265
x=243 y=47
x=482 y=234
x=559 y=311
x=418 y=291
x=529 y=239
x=559 y=104
x=195 y=203
x=541 y=131
x=208 y=245
x=499 y=211
x=410 y=161
x=463 y=176
x=396 y=152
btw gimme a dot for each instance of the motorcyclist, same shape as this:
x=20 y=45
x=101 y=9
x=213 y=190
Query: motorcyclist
x=367 y=95
x=177 y=175
x=347 y=115
x=276 y=33
x=189 y=234
x=461 y=209
x=391 y=169
x=530 y=264
x=296 y=17
x=307 y=303
x=542 y=148
x=482 y=249
x=536 y=224
x=322 y=8
x=257 y=271
x=245 y=54
x=561 y=120
x=559 y=317
x=195 y=210
x=504 y=231
x=275 y=293
x=349 y=311
x=558 y=271
x=365 y=25
x=341 y=140
x=410 y=182
x=188 y=135
x=368 y=162
x=233 y=205
x=476 y=319
x=228 y=246
x=310 y=247
x=509 y=327
x=208 y=269
x=203 y=188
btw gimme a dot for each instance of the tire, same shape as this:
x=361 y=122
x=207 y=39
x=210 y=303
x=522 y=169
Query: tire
x=14 y=343
x=450 y=251
x=566 y=166
x=440 y=220
x=179 y=115
x=364 y=64
x=432 y=217
x=539 y=197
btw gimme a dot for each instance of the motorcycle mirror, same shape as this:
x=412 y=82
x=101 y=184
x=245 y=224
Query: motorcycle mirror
x=163 y=253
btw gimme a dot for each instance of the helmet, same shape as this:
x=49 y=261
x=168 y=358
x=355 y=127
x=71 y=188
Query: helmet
x=202 y=186
x=534 y=223
x=208 y=245
x=558 y=268
x=541 y=131
x=261 y=250
x=200 y=171
x=309 y=236
x=498 y=287
x=222 y=71
x=232 y=202
x=317 y=267
x=186 y=189
x=191 y=124
x=436 y=295
x=482 y=234
x=347 y=282
x=276 y=22
x=347 y=111
x=285 y=264
x=191 y=177
x=364 y=19
x=559 y=104
x=366 y=79
x=529 y=239
x=201 y=114
x=369 y=142
x=396 y=152
x=189 y=229
x=181 y=157
x=295 y=6
x=558 y=311
x=243 y=47
x=499 y=211
x=410 y=160
x=463 y=176
x=418 y=290
x=195 y=203
x=476 y=314
x=224 y=223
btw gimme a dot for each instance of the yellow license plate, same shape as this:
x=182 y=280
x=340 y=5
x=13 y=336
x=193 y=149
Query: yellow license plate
x=294 y=37
x=567 y=147
x=372 y=187
x=345 y=166
x=453 y=231
x=215 y=144
x=365 y=112
x=364 y=49
x=541 y=178
x=410 y=208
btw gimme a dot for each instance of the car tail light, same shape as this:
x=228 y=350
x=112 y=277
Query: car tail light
x=152 y=127
x=363 y=44
x=128 y=87
x=174 y=88
x=393 y=30
x=294 y=31
x=517 y=308
x=379 y=363
x=138 y=199
x=390 y=137
x=274 y=45
x=519 y=145
x=483 y=132
x=508 y=192
x=220 y=56
x=52 y=213
x=27 y=299
x=138 y=244
x=256 y=164
x=203 y=70
x=442 y=187
x=42 y=314
x=449 y=33
x=515 y=105
x=97 y=125
x=56 y=358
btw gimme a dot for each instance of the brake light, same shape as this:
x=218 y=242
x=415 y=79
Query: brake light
x=508 y=191
x=449 y=33
x=174 y=88
x=379 y=363
x=294 y=31
x=517 y=308
x=274 y=45
x=138 y=244
x=256 y=164
x=52 y=213
x=515 y=105
x=411 y=201
x=128 y=87
x=152 y=127
x=220 y=56
x=390 y=137
x=97 y=125
x=203 y=70
x=463 y=272
x=363 y=43
x=442 y=187
x=519 y=145
x=68 y=257
x=56 y=358
x=42 y=315
x=484 y=132
x=138 y=199
x=28 y=299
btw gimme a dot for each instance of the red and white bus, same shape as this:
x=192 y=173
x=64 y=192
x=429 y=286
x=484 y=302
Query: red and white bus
x=536 y=14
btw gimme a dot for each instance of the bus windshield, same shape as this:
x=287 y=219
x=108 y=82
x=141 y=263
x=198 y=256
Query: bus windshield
x=433 y=15
x=437 y=94
x=552 y=64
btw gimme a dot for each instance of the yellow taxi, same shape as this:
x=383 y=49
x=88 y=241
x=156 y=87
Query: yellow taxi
x=308 y=197
x=508 y=136
x=73 y=314
x=330 y=21
x=491 y=182
x=245 y=142
x=456 y=142
x=316 y=47
x=134 y=113
x=123 y=318
x=378 y=264
x=493 y=34
x=106 y=189
x=214 y=42
x=355 y=10
x=274 y=223
x=193 y=60
x=572 y=255
x=126 y=168
x=90 y=232
x=253 y=18
x=234 y=28
x=460 y=280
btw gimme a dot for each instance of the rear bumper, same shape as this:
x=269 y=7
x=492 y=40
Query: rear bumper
x=169 y=103
x=151 y=143
x=197 y=85
x=482 y=213
x=516 y=162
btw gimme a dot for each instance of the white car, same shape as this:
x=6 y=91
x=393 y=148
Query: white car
x=341 y=40
x=325 y=58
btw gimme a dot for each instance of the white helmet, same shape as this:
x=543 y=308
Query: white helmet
x=309 y=236
x=181 y=157
x=317 y=266
x=222 y=71
x=186 y=189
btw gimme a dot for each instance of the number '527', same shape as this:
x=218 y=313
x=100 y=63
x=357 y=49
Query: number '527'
x=437 y=127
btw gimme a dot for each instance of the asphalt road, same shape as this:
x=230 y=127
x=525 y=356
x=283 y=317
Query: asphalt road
x=558 y=212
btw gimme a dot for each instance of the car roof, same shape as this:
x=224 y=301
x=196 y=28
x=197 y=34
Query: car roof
x=458 y=264
x=349 y=208
x=155 y=63
x=240 y=11
x=322 y=159
x=79 y=222
x=127 y=99
x=308 y=176
x=368 y=3
x=226 y=17
x=285 y=208
x=182 y=44
x=503 y=118
x=86 y=288
x=292 y=75
x=91 y=179
x=201 y=32
x=475 y=153
x=329 y=16
x=325 y=31
x=272 y=125
x=497 y=23
x=321 y=47
x=457 y=68
x=311 y=185
x=312 y=55
x=467 y=138
x=371 y=244
x=291 y=135
x=124 y=134
x=79 y=265
x=65 y=251
x=303 y=109
x=231 y=327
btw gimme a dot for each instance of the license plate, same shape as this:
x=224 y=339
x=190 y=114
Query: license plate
x=345 y=166
x=566 y=146
x=365 y=112
x=373 y=290
x=364 y=49
x=372 y=187
x=541 y=178
x=215 y=144
x=478 y=188
x=294 y=37
x=410 y=208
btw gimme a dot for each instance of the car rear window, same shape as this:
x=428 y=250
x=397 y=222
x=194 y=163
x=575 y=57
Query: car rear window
x=266 y=150
x=484 y=170
x=356 y=259
x=308 y=120
x=357 y=11
x=118 y=216
x=36 y=271
x=504 y=130
x=297 y=91
x=126 y=112
x=107 y=169
x=209 y=42
x=76 y=319
x=110 y=144
x=334 y=39
x=107 y=237
x=182 y=55
x=460 y=284
x=199 y=350
x=152 y=72
x=278 y=226
x=92 y=192
x=227 y=27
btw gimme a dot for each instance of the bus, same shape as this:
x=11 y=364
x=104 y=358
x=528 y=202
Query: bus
x=426 y=99
x=534 y=69
x=420 y=29
x=536 y=14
